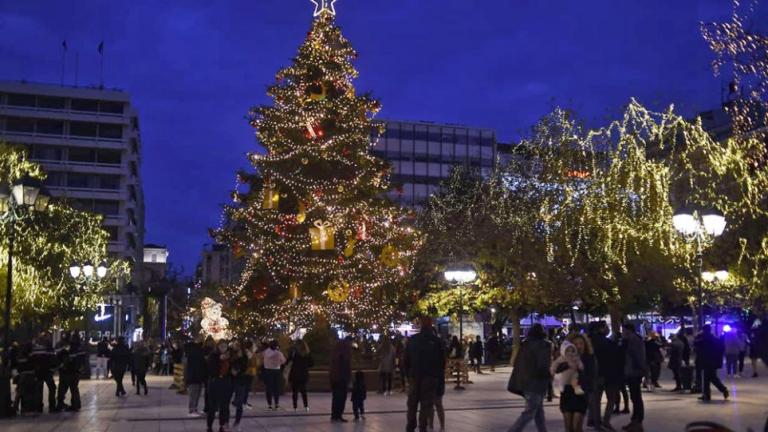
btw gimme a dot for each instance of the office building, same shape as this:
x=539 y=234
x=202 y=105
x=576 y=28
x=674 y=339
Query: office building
x=218 y=266
x=89 y=144
x=422 y=155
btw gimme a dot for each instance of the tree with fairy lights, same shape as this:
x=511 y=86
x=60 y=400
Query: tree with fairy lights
x=319 y=238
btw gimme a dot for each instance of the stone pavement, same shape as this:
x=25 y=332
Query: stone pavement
x=484 y=406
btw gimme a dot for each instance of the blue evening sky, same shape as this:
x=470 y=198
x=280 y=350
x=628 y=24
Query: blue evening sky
x=194 y=67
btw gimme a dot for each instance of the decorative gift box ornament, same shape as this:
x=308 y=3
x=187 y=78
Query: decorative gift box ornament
x=313 y=131
x=271 y=197
x=321 y=235
x=318 y=91
x=362 y=230
x=338 y=291
x=390 y=256
x=349 y=250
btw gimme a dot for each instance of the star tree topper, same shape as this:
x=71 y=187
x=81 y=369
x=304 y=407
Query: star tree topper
x=324 y=6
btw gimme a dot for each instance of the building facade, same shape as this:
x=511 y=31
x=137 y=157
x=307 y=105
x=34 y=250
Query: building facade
x=217 y=266
x=88 y=142
x=422 y=155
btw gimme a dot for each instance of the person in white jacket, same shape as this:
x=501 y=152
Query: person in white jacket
x=273 y=362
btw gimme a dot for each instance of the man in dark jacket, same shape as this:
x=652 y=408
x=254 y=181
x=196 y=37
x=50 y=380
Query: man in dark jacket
x=120 y=358
x=424 y=365
x=610 y=375
x=635 y=369
x=194 y=373
x=46 y=363
x=340 y=374
x=72 y=359
x=531 y=377
x=492 y=351
x=711 y=351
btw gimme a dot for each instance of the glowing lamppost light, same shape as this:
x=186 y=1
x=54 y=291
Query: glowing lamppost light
x=88 y=269
x=74 y=270
x=714 y=223
x=460 y=276
x=101 y=270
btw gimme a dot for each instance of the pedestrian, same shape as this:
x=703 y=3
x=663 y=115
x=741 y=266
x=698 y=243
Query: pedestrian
x=423 y=362
x=675 y=363
x=531 y=377
x=654 y=358
x=71 y=358
x=438 y=405
x=492 y=351
x=165 y=358
x=46 y=363
x=340 y=373
x=120 y=357
x=732 y=345
x=711 y=352
x=610 y=373
x=141 y=360
x=102 y=357
x=251 y=371
x=358 y=395
x=194 y=373
x=301 y=362
x=273 y=363
x=576 y=369
x=476 y=354
x=743 y=346
x=386 y=366
x=697 y=363
x=400 y=346
x=754 y=352
x=219 y=386
x=238 y=366
x=635 y=369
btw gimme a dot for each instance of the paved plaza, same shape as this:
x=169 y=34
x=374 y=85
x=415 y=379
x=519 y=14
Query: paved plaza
x=484 y=406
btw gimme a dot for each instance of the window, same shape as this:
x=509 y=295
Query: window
x=421 y=133
x=487 y=139
x=18 y=124
x=461 y=136
x=474 y=137
x=91 y=105
x=421 y=147
x=50 y=127
x=107 y=207
x=406 y=168
x=83 y=129
x=43 y=152
x=487 y=152
x=406 y=133
x=461 y=151
x=434 y=134
x=77 y=180
x=106 y=182
x=113 y=232
x=23 y=100
x=108 y=156
x=110 y=131
x=420 y=169
x=406 y=147
x=447 y=150
x=55 y=179
x=392 y=132
x=474 y=151
x=111 y=107
x=434 y=170
x=51 y=102
x=82 y=154
x=393 y=146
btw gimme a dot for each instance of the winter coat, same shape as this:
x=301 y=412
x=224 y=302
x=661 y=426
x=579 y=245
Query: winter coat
x=387 y=361
x=732 y=343
x=424 y=356
x=635 y=365
x=340 y=371
x=121 y=357
x=141 y=360
x=195 y=369
x=476 y=351
x=300 y=366
x=709 y=352
x=610 y=359
x=676 y=354
x=531 y=369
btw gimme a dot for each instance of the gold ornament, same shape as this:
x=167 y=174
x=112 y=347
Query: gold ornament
x=302 y=216
x=304 y=161
x=349 y=250
x=338 y=291
x=340 y=188
x=271 y=197
x=390 y=256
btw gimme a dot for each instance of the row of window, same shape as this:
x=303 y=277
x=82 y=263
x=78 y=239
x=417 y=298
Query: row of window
x=75 y=154
x=61 y=127
x=102 y=207
x=449 y=151
x=61 y=103
x=423 y=169
x=408 y=132
x=83 y=181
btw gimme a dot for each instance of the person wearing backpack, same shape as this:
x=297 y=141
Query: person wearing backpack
x=530 y=378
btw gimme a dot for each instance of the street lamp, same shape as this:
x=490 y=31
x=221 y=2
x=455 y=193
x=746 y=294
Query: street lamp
x=23 y=198
x=458 y=275
x=87 y=272
x=710 y=224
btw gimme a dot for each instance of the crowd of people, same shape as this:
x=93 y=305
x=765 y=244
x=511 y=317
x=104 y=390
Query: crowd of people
x=578 y=366
x=584 y=365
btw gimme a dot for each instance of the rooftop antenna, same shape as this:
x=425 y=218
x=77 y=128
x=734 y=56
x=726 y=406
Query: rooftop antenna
x=63 y=59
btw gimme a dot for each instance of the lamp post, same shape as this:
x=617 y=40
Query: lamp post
x=698 y=229
x=21 y=200
x=87 y=273
x=458 y=276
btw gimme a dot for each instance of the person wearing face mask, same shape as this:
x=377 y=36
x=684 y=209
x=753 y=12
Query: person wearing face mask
x=273 y=362
x=219 y=386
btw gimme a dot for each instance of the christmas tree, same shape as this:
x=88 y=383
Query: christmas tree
x=313 y=224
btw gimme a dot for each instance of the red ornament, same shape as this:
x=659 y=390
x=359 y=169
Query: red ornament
x=340 y=259
x=345 y=151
